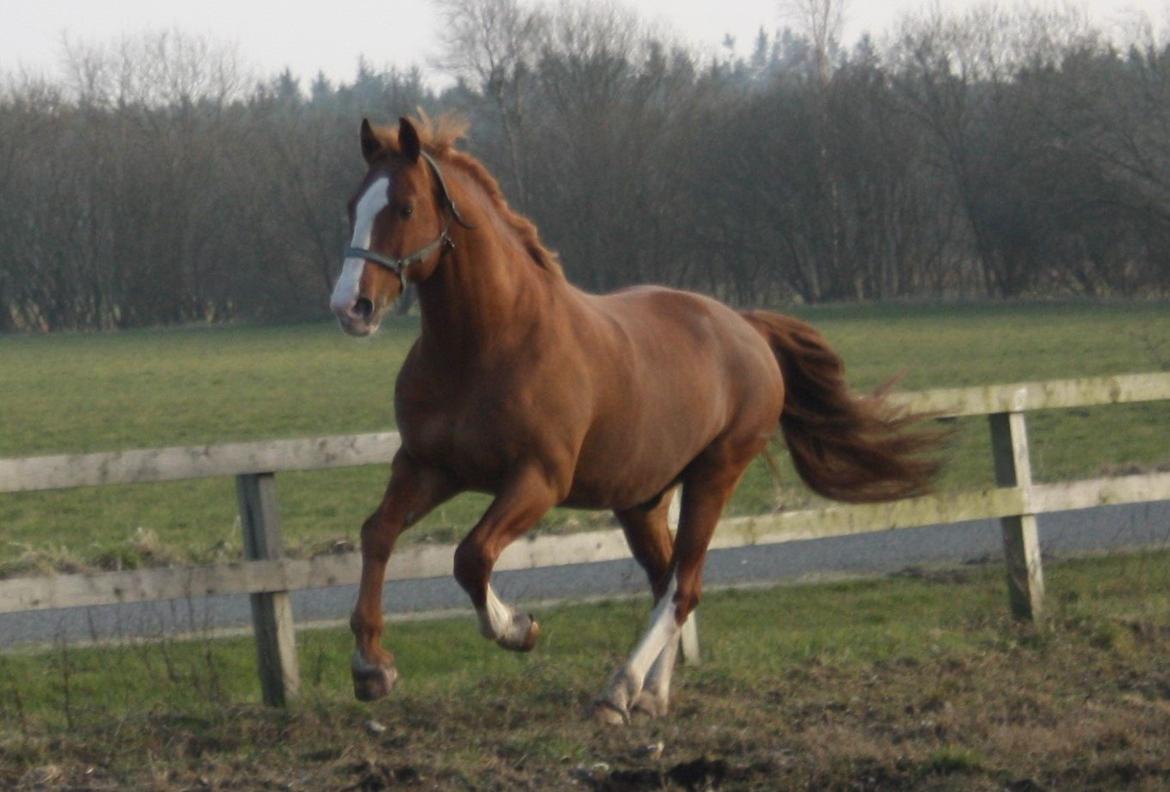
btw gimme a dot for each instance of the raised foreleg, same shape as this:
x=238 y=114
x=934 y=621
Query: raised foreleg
x=525 y=499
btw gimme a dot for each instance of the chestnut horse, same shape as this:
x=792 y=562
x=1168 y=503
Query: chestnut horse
x=524 y=387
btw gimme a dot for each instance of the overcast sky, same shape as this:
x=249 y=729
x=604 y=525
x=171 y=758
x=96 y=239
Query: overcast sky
x=330 y=36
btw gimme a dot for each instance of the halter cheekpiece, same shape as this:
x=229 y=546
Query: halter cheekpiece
x=399 y=265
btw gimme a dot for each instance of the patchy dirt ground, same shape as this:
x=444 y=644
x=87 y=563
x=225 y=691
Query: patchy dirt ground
x=1081 y=706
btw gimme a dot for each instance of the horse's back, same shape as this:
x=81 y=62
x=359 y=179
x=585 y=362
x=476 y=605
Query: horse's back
x=680 y=330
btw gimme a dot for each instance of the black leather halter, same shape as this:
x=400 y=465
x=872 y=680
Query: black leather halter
x=398 y=265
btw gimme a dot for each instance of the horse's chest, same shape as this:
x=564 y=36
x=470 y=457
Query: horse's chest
x=472 y=436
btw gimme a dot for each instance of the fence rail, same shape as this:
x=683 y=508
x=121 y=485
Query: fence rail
x=268 y=578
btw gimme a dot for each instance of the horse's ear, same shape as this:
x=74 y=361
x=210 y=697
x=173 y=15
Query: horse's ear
x=370 y=143
x=408 y=142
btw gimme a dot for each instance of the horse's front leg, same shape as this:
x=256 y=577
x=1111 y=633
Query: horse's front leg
x=412 y=492
x=515 y=510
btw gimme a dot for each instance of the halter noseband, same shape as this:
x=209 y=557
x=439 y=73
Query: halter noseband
x=399 y=265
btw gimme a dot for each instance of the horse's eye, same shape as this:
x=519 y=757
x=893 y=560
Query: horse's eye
x=407 y=210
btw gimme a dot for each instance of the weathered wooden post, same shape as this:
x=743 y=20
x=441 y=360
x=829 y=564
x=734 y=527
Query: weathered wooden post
x=690 y=629
x=1021 y=541
x=272 y=619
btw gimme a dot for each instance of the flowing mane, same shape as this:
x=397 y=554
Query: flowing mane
x=438 y=137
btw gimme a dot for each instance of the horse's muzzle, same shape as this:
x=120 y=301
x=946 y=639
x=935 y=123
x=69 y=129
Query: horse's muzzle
x=358 y=317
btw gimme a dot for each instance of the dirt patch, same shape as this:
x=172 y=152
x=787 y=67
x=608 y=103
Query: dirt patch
x=1053 y=713
x=965 y=701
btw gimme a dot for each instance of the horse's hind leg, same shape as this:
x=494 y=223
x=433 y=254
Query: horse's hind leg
x=652 y=546
x=648 y=535
x=412 y=492
x=707 y=487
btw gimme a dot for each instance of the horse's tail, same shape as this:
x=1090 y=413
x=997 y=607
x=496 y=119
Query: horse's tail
x=844 y=447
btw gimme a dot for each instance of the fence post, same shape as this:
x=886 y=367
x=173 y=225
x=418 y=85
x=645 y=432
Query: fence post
x=1021 y=542
x=690 y=629
x=272 y=620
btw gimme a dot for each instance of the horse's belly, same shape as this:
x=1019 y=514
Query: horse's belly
x=628 y=468
x=644 y=445
x=605 y=495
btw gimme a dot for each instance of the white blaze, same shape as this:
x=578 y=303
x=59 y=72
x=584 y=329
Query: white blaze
x=373 y=200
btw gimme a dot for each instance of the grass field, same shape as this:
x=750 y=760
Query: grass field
x=919 y=681
x=93 y=392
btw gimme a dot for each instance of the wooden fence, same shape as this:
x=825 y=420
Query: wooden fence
x=268 y=578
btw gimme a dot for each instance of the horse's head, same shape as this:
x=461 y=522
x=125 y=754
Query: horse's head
x=398 y=227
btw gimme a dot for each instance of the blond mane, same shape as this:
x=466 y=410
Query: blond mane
x=438 y=137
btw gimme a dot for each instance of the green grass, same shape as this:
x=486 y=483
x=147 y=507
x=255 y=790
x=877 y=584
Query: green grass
x=745 y=633
x=919 y=679
x=146 y=388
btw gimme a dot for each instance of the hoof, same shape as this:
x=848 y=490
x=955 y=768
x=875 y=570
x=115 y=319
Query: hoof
x=650 y=705
x=614 y=705
x=609 y=713
x=531 y=635
x=372 y=682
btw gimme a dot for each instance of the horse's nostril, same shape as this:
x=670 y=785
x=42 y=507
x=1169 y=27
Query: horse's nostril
x=363 y=307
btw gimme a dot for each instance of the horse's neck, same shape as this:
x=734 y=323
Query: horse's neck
x=483 y=295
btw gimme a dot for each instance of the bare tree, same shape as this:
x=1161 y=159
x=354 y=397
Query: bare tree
x=822 y=21
x=495 y=43
x=153 y=69
x=990 y=153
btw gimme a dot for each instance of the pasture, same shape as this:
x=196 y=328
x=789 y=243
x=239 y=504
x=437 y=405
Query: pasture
x=146 y=388
x=919 y=681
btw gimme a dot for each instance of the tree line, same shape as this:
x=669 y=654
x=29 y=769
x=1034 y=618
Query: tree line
x=992 y=154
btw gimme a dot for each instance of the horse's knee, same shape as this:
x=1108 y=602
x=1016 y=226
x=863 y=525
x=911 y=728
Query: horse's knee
x=471 y=568
x=376 y=539
x=369 y=530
